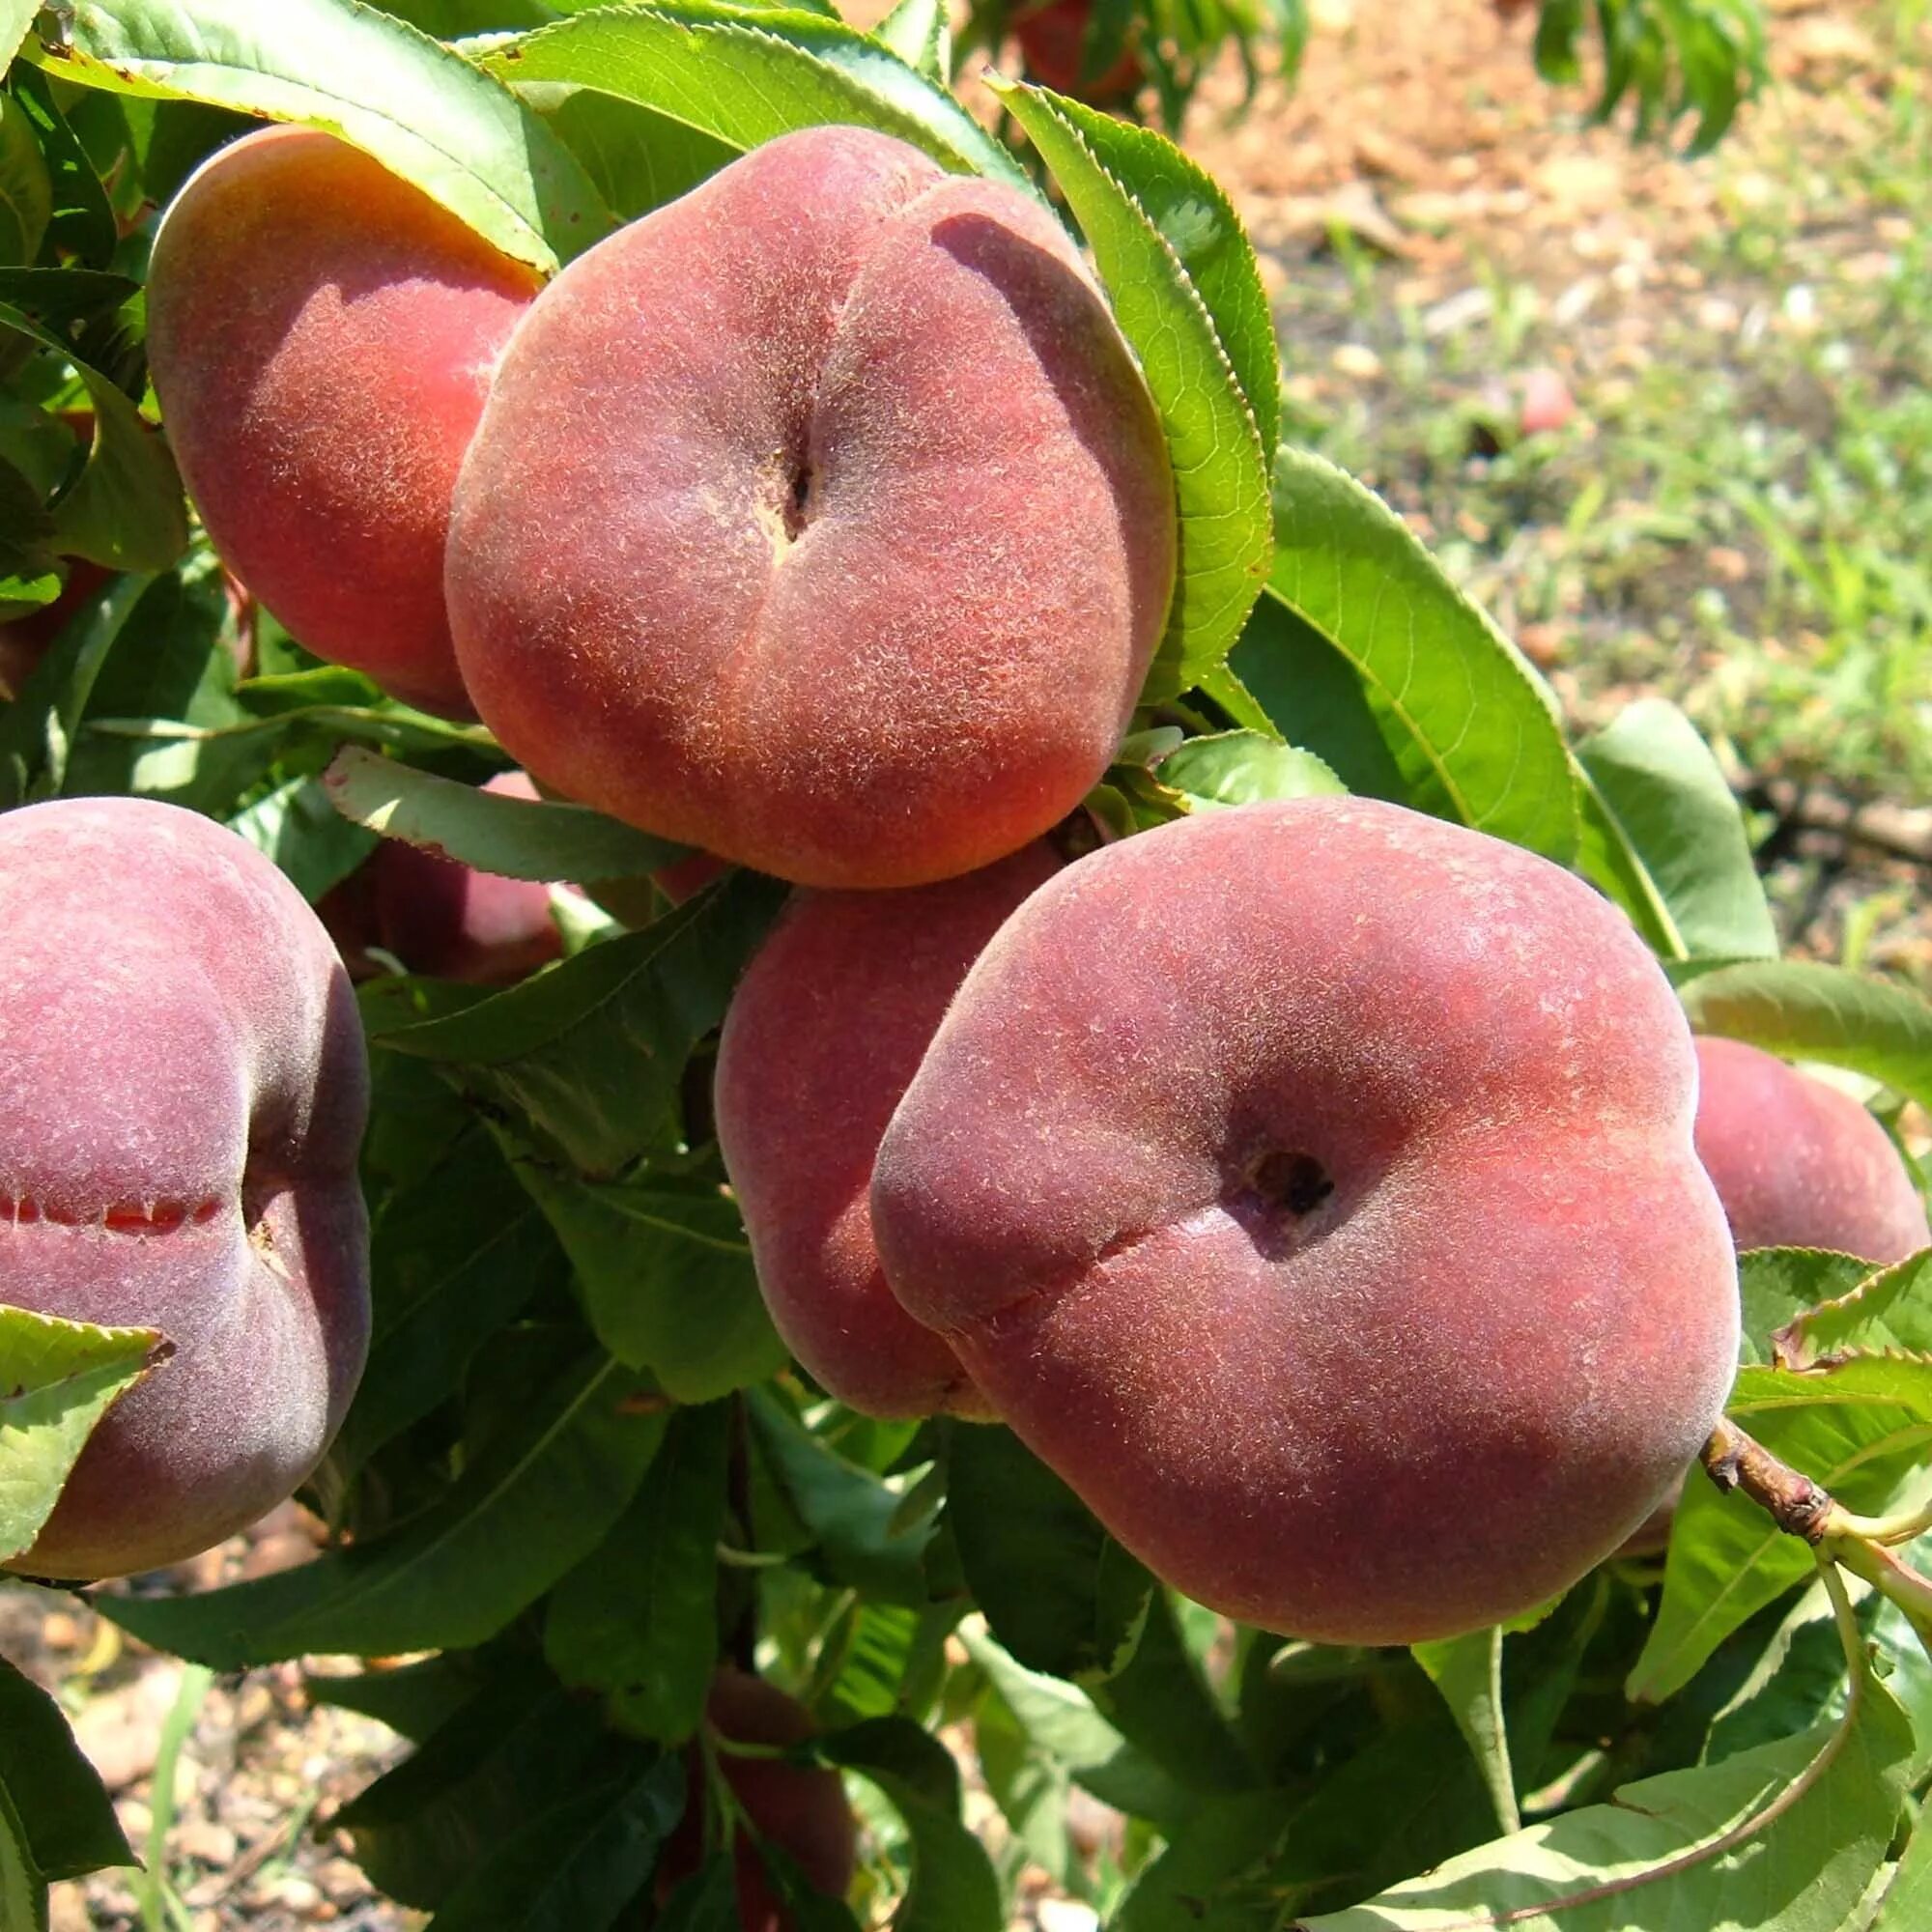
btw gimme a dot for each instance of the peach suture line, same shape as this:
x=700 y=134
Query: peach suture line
x=119 y=1217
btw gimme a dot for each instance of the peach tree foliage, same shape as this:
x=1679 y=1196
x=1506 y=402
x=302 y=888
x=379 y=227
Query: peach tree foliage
x=580 y=1474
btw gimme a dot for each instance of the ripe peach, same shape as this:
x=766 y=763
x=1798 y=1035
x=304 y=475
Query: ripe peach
x=826 y=1031
x=819 y=519
x=449 y=920
x=24 y=640
x=321 y=335
x=1311 y=1185
x=1053 y=39
x=182 y=1097
x=803 y=1811
x=1799 y=1164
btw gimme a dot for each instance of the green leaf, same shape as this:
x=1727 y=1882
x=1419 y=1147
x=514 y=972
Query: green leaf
x=1907 y=1903
x=1727 y=1558
x=1468 y=1671
x=303 y=835
x=513 y=838
x=666 y=1275
x=174 y=657
x=707 y=1901
x=954 y=1888
x=424 y=112
x=15 y=18
x=454 y=1258
x=883 y=1658
x=1161 y=1705
x=1789 y=1834
x=1889 y=1382
x=83 y=223
x=1808 y=1010
x=1190 y=210
x=23 y=1893
x=1406 y=1800
x=535 y=1504
x=1059 y=1592
x=66 y=1824
x=638 y=158
x=126 y=510
x=57 y=1380
x=919 y=33
x=1887 y=1309
x=37 y=730
x=1470 y=726
x=745 y=75
x=638 y=1618
x=1213 y=1875
x=414 y=1699
x=1313 y=697
x=1220 y=466
x=1238 y=767
x=852 y=1515
x=575 y=1866
x=1064 y=1725
x=26 y=193
x=1606 y=858
x=1244 y=708
x=1668 y=803
x=592 y=1052
x=1778 y=1285
x=422 y=1829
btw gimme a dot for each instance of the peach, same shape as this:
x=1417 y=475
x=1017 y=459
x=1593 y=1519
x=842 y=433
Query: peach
x=452 y=921
x=1053 y=39
x=182 y=1089
x=819 y=519
x=824 y=1033
x=800 y=1810
x=321 y=335
x=1799 y=1164
x=1311 y=1184
x=25 y=640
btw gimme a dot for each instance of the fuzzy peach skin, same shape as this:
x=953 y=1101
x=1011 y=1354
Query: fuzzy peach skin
x=183 y=1088
x=1311 y=1185
x=1799 y=1164
x=449 y=920
x=819 y=519
x=321 y=335
x=824 y=1033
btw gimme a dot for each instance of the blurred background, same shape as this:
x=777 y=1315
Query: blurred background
x=1668 y=417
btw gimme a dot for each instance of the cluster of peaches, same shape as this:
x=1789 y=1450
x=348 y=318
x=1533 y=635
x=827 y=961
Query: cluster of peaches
x=1310 y=1183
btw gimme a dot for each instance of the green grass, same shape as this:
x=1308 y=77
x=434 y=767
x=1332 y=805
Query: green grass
x=1745 y=519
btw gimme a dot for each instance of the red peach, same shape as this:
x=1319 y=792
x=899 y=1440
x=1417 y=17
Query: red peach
x=802 y=1811
x=321 y=336
x=1799 y=1164
x=826 y=1031
x=1053 y=38
x=182 y=1089
x=452 y=921
x=819 y=519
x=1311 y=1184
